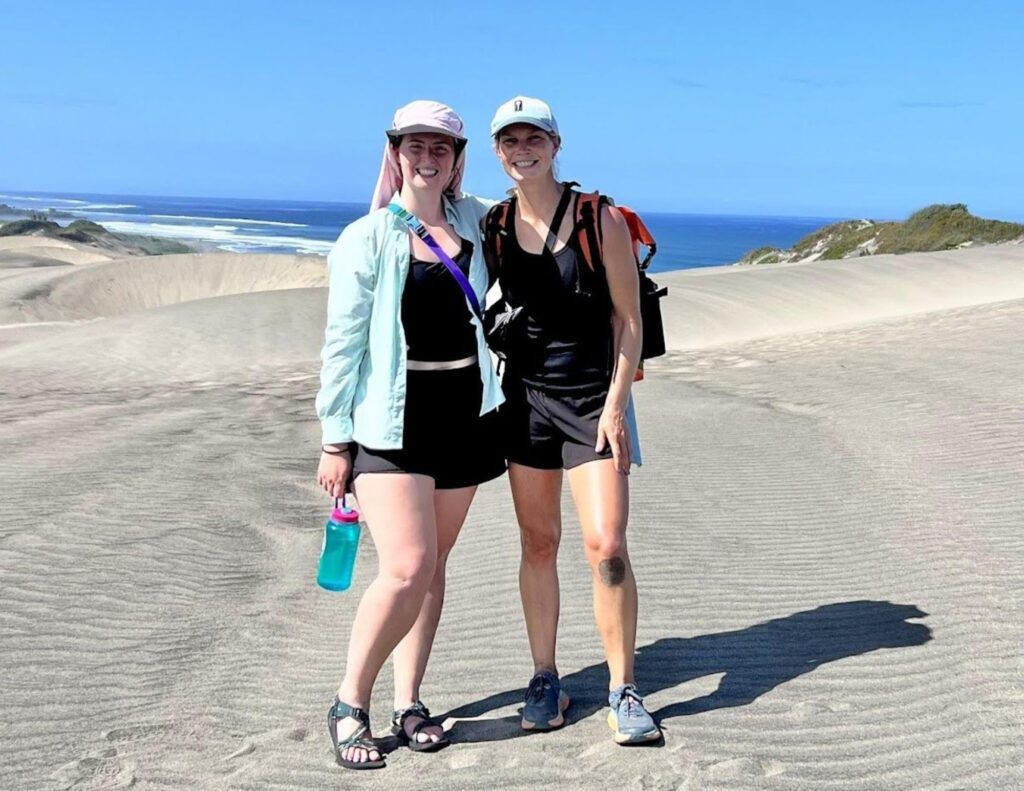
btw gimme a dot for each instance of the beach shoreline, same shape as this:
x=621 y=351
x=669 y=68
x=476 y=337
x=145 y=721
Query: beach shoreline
x=311 y=227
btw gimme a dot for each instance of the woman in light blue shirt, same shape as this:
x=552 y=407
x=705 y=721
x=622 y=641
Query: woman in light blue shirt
x=407 y=404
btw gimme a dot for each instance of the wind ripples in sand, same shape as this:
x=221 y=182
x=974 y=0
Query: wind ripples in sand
x=826 y=537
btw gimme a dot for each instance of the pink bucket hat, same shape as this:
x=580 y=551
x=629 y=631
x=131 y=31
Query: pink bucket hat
x=419 y=116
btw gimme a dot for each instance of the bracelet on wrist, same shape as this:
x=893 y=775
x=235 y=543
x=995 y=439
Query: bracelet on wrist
x=332 y=449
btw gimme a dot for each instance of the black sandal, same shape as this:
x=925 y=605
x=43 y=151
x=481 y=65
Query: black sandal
x=339 y=711
x=417 y=709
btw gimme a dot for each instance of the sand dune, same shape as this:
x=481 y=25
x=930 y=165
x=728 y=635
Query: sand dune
x=221 y=339
x=145 y=282
x=8 y=243
x=708 y=307
x=240 y=321
x=826 y=534
x=33 y=251
x=49 y=256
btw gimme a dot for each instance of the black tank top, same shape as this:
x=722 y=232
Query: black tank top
x=568 y=327
x=435 y=314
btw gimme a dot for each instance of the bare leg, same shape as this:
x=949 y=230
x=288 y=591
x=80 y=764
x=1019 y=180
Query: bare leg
x=399 y=510
x=537 y=497
x=412 y=653
x=602 y=500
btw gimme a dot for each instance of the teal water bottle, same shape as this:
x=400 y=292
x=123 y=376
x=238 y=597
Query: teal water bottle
x=341 y=542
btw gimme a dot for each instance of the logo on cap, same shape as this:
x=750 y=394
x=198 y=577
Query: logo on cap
x=519 y=106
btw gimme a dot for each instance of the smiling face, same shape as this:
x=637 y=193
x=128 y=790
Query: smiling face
x=526 y=152
x=426 y=160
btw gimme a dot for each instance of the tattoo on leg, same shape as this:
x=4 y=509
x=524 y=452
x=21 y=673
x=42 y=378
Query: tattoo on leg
x=612 y=571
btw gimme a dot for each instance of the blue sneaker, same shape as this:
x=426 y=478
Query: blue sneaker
x=546 y=703
x=629 y=719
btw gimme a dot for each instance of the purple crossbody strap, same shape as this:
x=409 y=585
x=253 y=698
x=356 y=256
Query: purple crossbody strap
x=421 y=231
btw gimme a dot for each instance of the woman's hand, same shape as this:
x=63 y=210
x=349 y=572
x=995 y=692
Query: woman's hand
x=333 y=472
x=613 y=431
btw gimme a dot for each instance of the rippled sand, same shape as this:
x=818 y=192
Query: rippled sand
x=826 y=533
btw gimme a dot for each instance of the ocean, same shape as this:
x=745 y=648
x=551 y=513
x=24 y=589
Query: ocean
x=685 y=241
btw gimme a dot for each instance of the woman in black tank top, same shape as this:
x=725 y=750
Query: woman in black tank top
x=567 y=386
x=567 y=343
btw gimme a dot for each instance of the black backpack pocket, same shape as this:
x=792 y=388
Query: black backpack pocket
x=650 y=315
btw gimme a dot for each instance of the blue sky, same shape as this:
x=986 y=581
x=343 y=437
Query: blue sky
x=805 y=108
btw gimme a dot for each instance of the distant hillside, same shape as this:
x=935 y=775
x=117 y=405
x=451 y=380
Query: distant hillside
x=95 y=235
x=938 y=227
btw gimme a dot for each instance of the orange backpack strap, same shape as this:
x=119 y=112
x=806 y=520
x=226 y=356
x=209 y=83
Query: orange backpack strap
x=588 y=226
x=495 y=227
x=637 y=229
x=639 y=235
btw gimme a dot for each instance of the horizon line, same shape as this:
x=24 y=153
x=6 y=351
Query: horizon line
x=879 y=216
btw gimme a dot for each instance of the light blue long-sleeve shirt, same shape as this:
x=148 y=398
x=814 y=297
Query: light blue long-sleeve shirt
x=362 y=379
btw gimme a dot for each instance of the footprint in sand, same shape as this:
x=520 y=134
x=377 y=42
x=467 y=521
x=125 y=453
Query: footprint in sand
x=99 y=770
x=743 y=768
x=464 y=760
x=253 y=742
x=653 y=782
x=815 y=708
x=132 y=733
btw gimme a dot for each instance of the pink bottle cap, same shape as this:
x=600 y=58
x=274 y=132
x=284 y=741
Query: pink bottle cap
x=344 y=514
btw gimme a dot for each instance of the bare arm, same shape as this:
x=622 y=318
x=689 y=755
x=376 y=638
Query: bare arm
x=627 y=333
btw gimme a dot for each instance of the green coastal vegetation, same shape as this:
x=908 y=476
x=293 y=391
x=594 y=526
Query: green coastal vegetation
x=94 y=235
x=78 y=231
x=11 y=211
x=943 y=226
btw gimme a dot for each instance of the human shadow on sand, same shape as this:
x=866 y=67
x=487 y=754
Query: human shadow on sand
x=753 y=660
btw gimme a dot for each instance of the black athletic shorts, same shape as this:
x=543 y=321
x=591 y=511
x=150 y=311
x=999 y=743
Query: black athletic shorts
x=551 y=430
x=444 y=436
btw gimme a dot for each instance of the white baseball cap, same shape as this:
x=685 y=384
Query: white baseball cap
x=524 y=110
